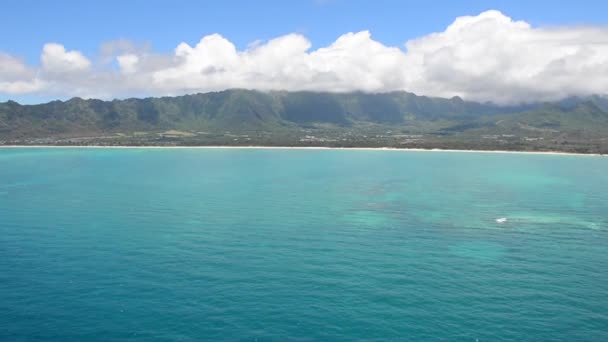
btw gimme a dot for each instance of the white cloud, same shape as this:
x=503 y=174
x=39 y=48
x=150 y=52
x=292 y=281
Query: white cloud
x=492 y=57
x=127 y=63
x=488 y=57
x=16 y=77
x=56 y=59
x=21 y=87
x=12 y=68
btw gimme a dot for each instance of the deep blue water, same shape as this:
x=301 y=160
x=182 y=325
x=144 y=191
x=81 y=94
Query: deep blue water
x=301 y=245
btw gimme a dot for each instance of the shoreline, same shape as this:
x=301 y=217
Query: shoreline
x=306 y=148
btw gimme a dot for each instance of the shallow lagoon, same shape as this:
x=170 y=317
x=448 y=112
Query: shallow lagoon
x=230 y=244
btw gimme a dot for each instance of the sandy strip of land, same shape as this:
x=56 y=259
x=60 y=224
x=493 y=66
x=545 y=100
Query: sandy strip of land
x=308 y=148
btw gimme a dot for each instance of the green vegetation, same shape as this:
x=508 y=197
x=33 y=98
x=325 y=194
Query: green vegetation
x=244 y=117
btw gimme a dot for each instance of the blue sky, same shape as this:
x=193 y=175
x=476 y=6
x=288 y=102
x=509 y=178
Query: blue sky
x=28 y=24
x=522 y=51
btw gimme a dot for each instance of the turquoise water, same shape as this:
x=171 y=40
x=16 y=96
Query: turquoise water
x=301 y=245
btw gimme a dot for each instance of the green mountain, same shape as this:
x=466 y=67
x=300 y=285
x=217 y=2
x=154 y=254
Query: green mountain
x=231 y=110
x=238 y=116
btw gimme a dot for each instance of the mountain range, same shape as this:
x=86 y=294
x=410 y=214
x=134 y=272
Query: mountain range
x=237 y=117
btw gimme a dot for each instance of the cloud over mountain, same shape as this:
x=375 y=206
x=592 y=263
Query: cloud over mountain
x=55 y=59
x=488 y=57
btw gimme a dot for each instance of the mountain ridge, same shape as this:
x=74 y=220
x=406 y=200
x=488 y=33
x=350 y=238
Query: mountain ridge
x=276 y=115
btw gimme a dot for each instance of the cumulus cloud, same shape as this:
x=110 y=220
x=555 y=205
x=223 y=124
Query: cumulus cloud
x=56 y=59
x=492 y=57
x=487 y=57
x=128 y=63
x=16 y=77
x=21 y=87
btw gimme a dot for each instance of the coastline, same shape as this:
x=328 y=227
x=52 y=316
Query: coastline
x=307 y=148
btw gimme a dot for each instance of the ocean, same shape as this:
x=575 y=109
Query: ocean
x=301 y=245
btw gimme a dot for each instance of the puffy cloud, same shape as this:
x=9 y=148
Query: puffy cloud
x=16 y=77
x=357 y=62
x=488 y=57
x=353 y=62
x=127 y=63
x=21 y=87
x=209 y=64
x=12 y=68
x=492 y=57
x=56 y=59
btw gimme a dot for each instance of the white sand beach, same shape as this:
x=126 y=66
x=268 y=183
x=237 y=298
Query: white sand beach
x=308 y=148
